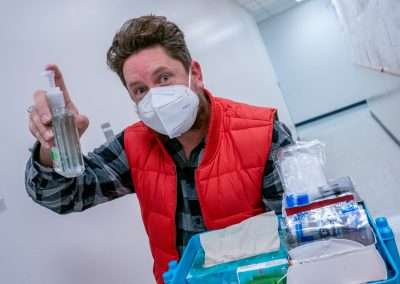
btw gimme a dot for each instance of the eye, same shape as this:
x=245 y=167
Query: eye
x=139 y=91
x=164 y=78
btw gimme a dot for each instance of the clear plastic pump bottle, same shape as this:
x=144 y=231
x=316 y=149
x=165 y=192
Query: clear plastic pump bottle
x=66 y=153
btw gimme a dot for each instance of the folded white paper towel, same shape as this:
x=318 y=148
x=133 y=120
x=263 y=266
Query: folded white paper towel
x=253 y=236
x=335 y=262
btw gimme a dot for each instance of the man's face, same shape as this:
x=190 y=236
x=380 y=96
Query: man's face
x=152 y=67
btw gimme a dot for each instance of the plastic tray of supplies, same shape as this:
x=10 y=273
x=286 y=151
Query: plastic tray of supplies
x=386 y=245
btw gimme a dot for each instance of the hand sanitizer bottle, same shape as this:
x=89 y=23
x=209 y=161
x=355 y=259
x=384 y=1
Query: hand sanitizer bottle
x=66 y=153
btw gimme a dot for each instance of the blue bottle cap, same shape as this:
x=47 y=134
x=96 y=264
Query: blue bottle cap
x=386 y=233
x=384 y=229
x=303 y=199
x=290 y=201
x=381 y=222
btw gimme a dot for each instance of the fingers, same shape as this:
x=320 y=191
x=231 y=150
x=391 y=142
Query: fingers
x=41 y=107
x=40 y=119
x=82 y=123
x=72 y=108
x=39 y=130
x=59 y=80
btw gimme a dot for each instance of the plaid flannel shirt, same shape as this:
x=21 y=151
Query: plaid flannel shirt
x=107 y=176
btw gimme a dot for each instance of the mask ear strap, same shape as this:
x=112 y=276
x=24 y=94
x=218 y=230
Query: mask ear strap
x=190 y=76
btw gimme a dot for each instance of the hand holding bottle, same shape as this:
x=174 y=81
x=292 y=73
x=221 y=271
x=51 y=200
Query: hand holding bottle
x=40 y=118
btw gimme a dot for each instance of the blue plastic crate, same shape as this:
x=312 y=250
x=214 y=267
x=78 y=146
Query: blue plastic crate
x=386 y=245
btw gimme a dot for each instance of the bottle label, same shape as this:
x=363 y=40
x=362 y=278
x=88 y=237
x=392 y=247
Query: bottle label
x=55 y=155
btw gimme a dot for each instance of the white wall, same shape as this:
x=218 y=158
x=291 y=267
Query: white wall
x=105 y=244
x=312 y=59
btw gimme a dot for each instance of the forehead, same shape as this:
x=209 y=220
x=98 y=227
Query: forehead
x=141 y=65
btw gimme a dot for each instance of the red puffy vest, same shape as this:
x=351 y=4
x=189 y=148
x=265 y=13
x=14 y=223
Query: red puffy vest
x=228 y=179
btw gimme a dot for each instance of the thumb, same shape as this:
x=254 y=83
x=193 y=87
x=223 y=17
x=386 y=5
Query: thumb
x=82 y=123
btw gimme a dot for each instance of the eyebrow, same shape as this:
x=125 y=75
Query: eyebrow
x=155 y=73
x=159 y=70
x=133 y=84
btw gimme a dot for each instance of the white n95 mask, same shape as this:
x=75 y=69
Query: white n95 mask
x=169 y=110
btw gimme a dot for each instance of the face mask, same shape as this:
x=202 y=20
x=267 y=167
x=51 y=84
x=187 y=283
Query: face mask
x=169 y=110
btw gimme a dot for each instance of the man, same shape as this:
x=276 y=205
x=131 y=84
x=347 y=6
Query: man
x=195 y=161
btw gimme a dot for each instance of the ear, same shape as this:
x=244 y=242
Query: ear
x=197 y=76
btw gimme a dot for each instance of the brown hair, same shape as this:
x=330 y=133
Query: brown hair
x=147 y=31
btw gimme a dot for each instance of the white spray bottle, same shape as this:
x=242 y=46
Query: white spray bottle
x=66 y=153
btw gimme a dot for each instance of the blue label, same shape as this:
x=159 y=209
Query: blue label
x=348 y=207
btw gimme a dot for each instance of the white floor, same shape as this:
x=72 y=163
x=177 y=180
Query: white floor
x=386 y=109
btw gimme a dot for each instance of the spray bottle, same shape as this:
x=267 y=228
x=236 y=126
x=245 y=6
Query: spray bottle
x=66 y=153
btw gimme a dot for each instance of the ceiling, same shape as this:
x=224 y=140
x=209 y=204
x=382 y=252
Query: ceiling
x=263 y=9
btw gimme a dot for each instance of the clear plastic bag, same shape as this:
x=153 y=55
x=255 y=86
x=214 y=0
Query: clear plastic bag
x=300 y=168
x=345 y=220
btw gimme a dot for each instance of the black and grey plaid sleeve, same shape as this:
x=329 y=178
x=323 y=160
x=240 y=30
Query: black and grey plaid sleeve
x=272 y=187
x=106 y=177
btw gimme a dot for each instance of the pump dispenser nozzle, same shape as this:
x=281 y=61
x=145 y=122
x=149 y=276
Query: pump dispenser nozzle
x=54 y=94
x=50 y=76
